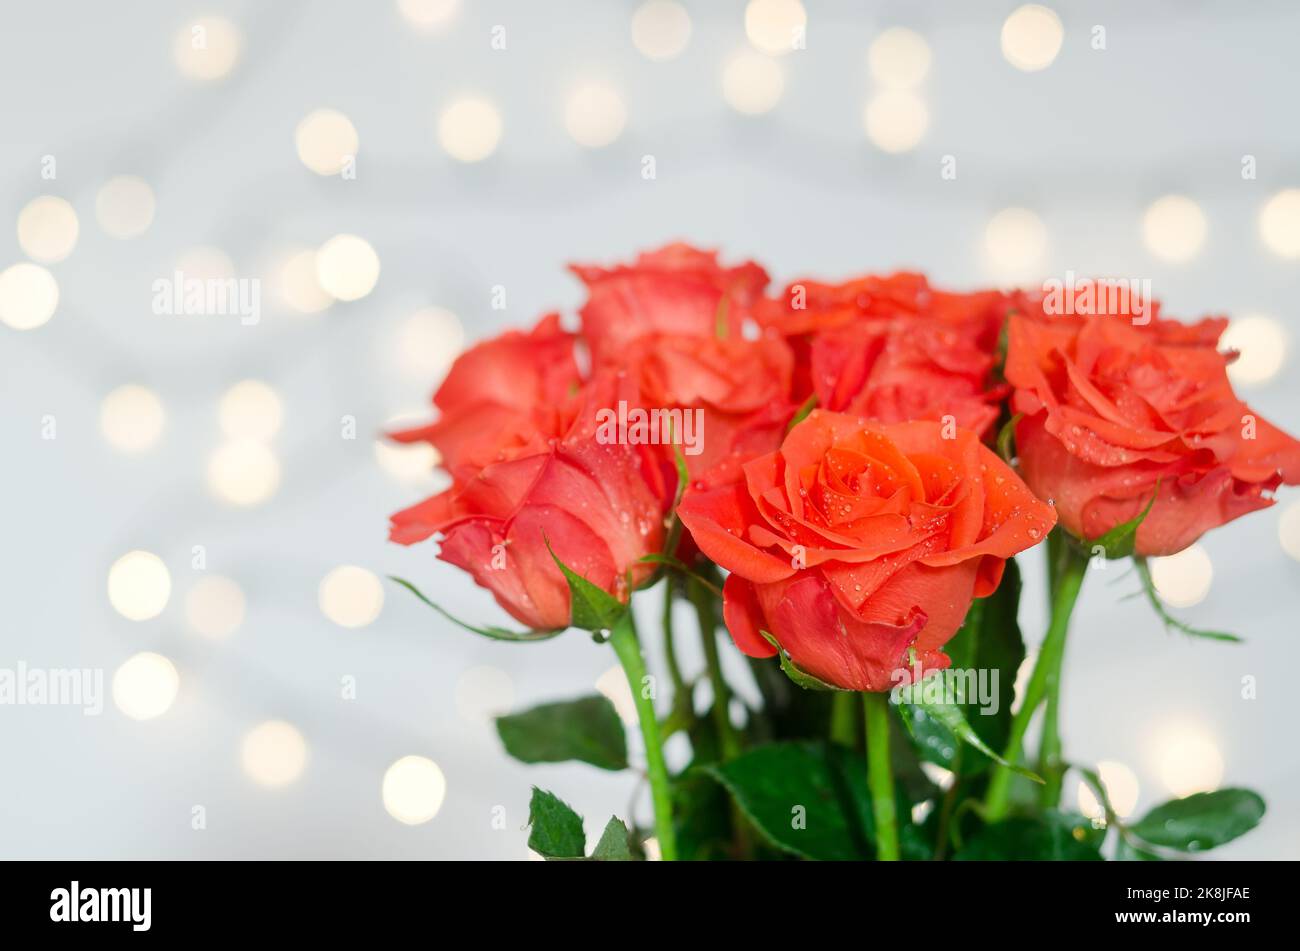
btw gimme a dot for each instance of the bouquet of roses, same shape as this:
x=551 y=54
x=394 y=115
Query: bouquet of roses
x=840 y=475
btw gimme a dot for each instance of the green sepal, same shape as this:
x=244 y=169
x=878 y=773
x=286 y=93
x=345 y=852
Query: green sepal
x=495 y=633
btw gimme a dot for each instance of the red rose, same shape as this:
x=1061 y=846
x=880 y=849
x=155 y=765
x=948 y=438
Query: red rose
x=892 y=348
x=899 y=370
x=601 y=507
x=738 y=391
x=503 y=396
x=1111 y=408
x=856 y=542
x=677 y=290
x=806 y=306
x=809 y=306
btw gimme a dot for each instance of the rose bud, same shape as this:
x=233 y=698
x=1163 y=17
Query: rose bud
x=1112 y=409
x=858 y=546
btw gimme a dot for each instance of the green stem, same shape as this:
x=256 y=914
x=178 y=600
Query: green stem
x=702 y=598
x=670 y=641
x=946 y=808
x=880 y=775
x=1068 y=569
x=628 y=648
x=1050 y=766
x=844 y=718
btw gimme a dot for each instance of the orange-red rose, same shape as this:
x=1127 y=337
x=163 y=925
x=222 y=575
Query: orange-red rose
x=741 y=389
x=601 y=506
x=858 y=546
x=892 y=348
x=677 y=289
x=503 y=397
x=1112 y=408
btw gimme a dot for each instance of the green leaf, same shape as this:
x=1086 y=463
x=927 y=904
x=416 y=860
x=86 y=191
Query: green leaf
x=793 y=671
x=1119 y=541
x=590 y=607
x=495 y=633
x=587 y=729
x=1169 y=621
x=808 y=799
x=556 y=829
x=1050 y=836
x=988 y=640
x=1202 y=820
x=932 y=698
x=702 y=813
x=1128 y=852
x=806 y=407
x=612 y=846
x=1007 y=438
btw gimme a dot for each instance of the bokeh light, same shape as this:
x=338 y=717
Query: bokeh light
x=775 y=26
x=29 y=296
x=594 y=114
x=1288 y=530
x=409 y=463
x=131 y=418
x=1261 y=342
x=1032 y=37
x=896 y=120
x=1188 y=759
x=145 y=686
x=139 y=585
x=298 y=284
x=1174 y=228
x=214 y=606
x=250 y=409
x=124 y=207
x=469 y=129
x=752 y=83
x=326 y=140
x=429 y=15
x=273 y=753
x=347 y=267
x=1122 y=789
x=351 y=596
x=899 y=58
x=413 y=790
x=613 y=684
x=1279 y=223
x=243 y=473
x=661 y=29
x=1015 y=240
x=206 y=49
x=428 y=342
x=1184 y=579
x=48 y=229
